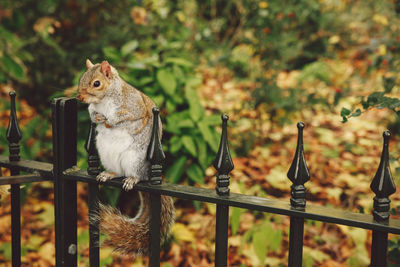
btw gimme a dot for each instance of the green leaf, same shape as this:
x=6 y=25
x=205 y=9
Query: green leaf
x=235 y=219
x=14 y=69
x=174 y=173
x=145 y=80
x=178 y=61
x=202 y=152
x=208 y=135
x=189 y=144
x=213 y=120
x=275 y=239
x=259 y=242
x=345 y=112
x=170 y=106
x=167 y=81
x=129 y=47
x=188 y=123
x=196 y=110
x=356 y=113
x=195 y=173
x=308 y=260
x=83 y=238
x=175 y=144
x=5 y=248
x=112 y=54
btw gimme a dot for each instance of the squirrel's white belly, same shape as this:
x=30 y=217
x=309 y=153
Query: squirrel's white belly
x=116 y=150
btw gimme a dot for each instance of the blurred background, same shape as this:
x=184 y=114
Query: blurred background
x=268 y=64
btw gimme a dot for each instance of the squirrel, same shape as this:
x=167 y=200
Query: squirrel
x=124 y=124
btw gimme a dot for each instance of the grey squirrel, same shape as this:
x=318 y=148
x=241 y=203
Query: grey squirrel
x=124 y=123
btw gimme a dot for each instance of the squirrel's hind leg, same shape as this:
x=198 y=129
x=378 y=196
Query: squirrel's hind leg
x=105 y=176
x=129 y=183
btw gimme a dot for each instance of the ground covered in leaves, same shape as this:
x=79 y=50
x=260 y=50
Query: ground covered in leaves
x=264 y=104
x=342 y=159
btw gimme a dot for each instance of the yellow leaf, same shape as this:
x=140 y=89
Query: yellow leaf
x=263 y=4
x=181 y=232
x=380 y=19
x=382 y=50
x=47 y=251
x=334 y=192
x=277 y=178
x=334 y=39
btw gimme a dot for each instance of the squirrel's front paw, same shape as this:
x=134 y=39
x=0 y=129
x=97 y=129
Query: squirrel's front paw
x=100 y=118
x=104 y=176
x=129 y=183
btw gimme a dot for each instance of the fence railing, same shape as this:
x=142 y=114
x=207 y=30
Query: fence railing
x=65 y=177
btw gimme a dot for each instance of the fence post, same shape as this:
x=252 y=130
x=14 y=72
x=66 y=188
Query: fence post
x=155 y=155
x=383 y=186
x=14 y=135
x=224 y=165
x=65 y=195
x=93 y=198
x=299 y=175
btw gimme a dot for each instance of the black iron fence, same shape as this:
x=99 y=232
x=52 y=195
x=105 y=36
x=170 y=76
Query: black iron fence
x=65 y=177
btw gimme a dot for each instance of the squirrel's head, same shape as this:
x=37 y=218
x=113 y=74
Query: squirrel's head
x=94 y=82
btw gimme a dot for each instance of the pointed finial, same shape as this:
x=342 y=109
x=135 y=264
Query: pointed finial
x=298 y=172
x=382 y=184
x=155 y=153
x=13 y=133
x=223 y=162
x=93 y=156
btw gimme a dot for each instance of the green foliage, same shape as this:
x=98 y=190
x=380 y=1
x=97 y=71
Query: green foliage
x=374 y=100
x=263 y=238
x=394 y=250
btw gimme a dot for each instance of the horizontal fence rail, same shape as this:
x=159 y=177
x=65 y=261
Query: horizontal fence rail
x=65 y=176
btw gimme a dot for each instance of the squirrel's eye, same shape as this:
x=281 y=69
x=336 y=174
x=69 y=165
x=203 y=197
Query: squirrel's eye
x=96 y=84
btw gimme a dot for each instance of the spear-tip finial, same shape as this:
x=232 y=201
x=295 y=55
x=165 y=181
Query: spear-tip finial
x=383 y=185
x=14 y=134
x=155 y=153
x=223 y=162
x=298 y=172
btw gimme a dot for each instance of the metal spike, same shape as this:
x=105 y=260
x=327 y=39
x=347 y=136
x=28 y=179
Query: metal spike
x=93 y=156
x=223 y=162
x=13 y=133
x=382 y=184
x=298 y=172
x=155 y=153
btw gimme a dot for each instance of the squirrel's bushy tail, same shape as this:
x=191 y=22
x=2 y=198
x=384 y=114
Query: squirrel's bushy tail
x=131 y=236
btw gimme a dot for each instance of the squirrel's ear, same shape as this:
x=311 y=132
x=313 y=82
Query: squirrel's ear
x=106 y=69
x=89 y=64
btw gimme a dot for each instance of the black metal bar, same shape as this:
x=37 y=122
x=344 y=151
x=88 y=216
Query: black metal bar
x=383 y=186
x=65 y=195
x=221 y=236
x=155 y=222
x=20 y=179
x=94 y=243
x=296 y=241
x=224 y=165
x=43 y=168
x=298 y=173
x=312 y=212
x=155 y=155
x=379 y=249
x=14 y=135
x=93 y=170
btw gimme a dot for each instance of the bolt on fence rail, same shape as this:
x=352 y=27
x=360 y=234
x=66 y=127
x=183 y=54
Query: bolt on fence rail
x=65 y=203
